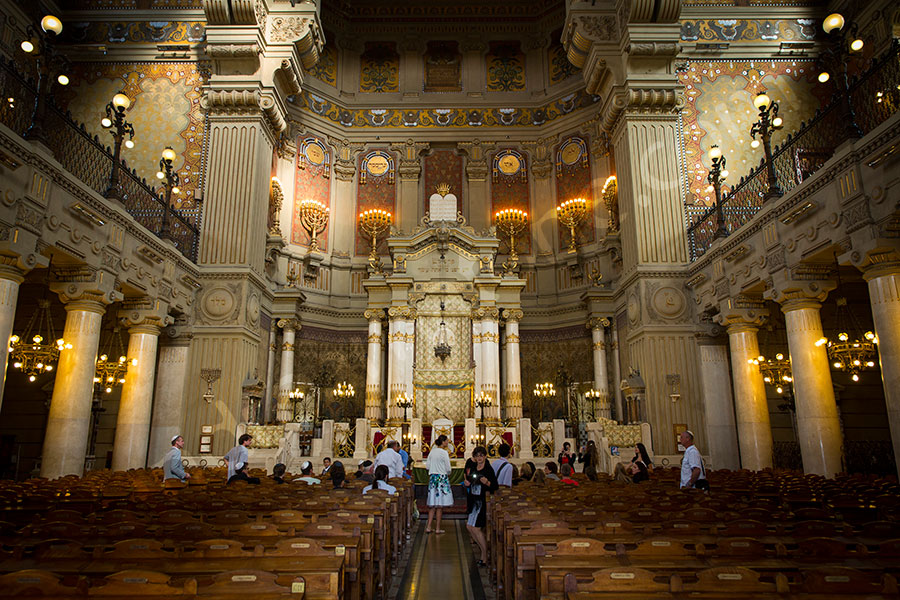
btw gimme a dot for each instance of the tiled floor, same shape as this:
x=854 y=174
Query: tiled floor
x=441 y=566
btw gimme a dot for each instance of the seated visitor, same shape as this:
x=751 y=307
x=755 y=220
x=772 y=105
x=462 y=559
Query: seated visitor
x=590 y=457
x=365 y=471
x=523 y=474
x=338 y=475
x=565 y=475
x=539 y=476
x=639 y=472
x=326 y=466
x=278 y=472
x=550 y=471
x=241 y=475
x=380 y=483
x=306 y=475
x=640 y=455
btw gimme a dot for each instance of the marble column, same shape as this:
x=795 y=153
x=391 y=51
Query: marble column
x=513 y=365
x=401 y=340
x=286 y=380
x=617 y=373
x=884 y=296
x=66 y=437
x=168 y=404
x=10 y=279
x=373 y=365
x=721 y=433
x=753 y=425
x=818 y=424
x=270 y=373
x=133 y=421
x=598 y=326
x=476 y=354
x=490 y=355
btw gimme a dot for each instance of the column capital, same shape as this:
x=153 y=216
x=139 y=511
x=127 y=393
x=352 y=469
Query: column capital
x=742 y=314
x=410 y=168
x=345 y=153
x=476 y=154
x=83 y=284
x=149 y=315
x=513 y=315
x=597 y=323
x=291 y=324
x=403 y=313
x=374 y=314
x=800 y=288
x=877 y=262
x=486 y=313
x=541 y=153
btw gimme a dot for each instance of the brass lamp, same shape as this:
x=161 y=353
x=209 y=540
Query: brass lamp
x=571 y=213
x=511 y=221
x=29 y=353
x=372 y=223
x=313 y=217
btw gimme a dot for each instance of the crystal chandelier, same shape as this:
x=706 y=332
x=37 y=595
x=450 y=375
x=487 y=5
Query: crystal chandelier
x=775 y=371
x=442 y=349
x=344 y=390
x=110 y=373
x=35 y=357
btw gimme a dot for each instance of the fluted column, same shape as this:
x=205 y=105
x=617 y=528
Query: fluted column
x=145 y=317
x=754 y=428
x=884 y=296
x=721 y=432
x=598 y=326
x=818 y=424
x=373 y=365
x=401 y=342
x=270 y=373
x=513 y=365
x=476 y=353
x=490 y=355
x=477 y=157
x=409 y=171
x=617 y=373
x=11 y=278
x=168 y=403
x=286 y=380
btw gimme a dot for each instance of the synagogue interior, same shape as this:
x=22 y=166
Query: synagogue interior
x=527 y=226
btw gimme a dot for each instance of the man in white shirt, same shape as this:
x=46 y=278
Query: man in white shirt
x=390 y=457
x=501 y=466
x=238 y=454
x=691 y=464
x=172 y=467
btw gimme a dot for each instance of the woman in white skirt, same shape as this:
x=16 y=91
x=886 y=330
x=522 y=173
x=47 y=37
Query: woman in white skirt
x=439 y=493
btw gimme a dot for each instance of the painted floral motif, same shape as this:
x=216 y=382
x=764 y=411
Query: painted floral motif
x=379 y=68
x=506 y=67
x=748 y=30
x=560 y=67
x=84 y=32
x=326 y=69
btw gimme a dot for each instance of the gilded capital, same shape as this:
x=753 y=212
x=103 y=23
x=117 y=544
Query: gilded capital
x=597 y=323
x=513 y=315
x=289 y=324
x=406 y=313
x=374 y=314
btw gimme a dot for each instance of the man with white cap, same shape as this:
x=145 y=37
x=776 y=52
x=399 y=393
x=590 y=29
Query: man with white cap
x=390 y=457
x=306 y=472
x=693 y=475
x=172 y=467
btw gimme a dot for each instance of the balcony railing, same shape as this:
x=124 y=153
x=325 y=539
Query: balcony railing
x=90 y=161
x=874 y=97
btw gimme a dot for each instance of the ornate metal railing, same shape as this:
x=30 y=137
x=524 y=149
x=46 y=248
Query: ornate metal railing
x=874 y=97
x=90 y=161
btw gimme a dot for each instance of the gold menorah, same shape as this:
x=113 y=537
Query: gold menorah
x=511 y=221
x=313 y=217
x=571 y=213
x=372 y=223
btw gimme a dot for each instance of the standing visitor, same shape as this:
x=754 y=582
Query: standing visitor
x=238 y=454
x=172 y=467
x=439 y=493
x=480 y=480
x=566 y=457
x=390 y=457
x=693 y=475
x=502 y=468
x=591 y=459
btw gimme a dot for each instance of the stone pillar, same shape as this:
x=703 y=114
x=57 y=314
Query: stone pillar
x=721 y=433
x=270 y=373
x=168 y=404
x=476 y=353
x=598 y=325
x=373 y=366
x=362 y=439
x=525 y=450
x=884 y=296
x=477 y=169
x=490 y=357
x=145 y=317
x=617 y=373
x=286 y=380
x=66 y=437
x=408 y=172
x=401 y=342
x=754 y=429
x=818 y=424
x=11 y=278
x=513 y=365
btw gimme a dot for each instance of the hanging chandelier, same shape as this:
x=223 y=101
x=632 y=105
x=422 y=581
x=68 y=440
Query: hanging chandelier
x=110 y=373
x=344 y=390
x=442 y=349
x=775 y=371
x=33 y=353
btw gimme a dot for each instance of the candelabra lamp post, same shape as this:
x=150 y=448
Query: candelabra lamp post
x=717 y=174
x=404 y=403
x=543 y=392
x=40 y=43
x=313 y=217
x=297 y=396
x=845 y=41
x=511 y=221
x=171 y=180
x=119 y=128
x=344 y=393
x=571 y=213
x=768 y=122
x=373 y=223
x=593 y=396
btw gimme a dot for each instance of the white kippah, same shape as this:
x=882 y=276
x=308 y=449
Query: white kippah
x=175 y=437
x=306 y=464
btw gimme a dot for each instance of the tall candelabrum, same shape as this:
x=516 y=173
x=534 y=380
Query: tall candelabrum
x=845 y=42
x=40 y=43
x=313 y=217
x=404 y=403
x=717 y=174
x=571 y=213
x=373 y=223
x=511 y=221
x=119 y=128
x=171 y=181
x=768 y=122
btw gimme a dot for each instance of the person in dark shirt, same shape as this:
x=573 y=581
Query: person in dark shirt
x=480 y=479
x=241 y=475
x=278 y=473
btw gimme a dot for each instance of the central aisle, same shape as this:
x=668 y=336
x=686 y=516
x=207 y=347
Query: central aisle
x=442 y=565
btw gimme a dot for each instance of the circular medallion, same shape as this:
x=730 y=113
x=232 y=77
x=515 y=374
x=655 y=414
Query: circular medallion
x=377 y=165
x=253 y=309
x=669 y=302
x=218 y=302
x=570 y=153
x=509 y=165
x=633 y=308
x=315 y=154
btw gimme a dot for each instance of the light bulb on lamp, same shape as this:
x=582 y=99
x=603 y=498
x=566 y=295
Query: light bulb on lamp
x=121 y=101
x=168 y=153
x=832 y=22
x=762 y=101
x=715 y=152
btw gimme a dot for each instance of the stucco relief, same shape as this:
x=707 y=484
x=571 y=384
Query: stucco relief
x=221 y=302
x=253 y=309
